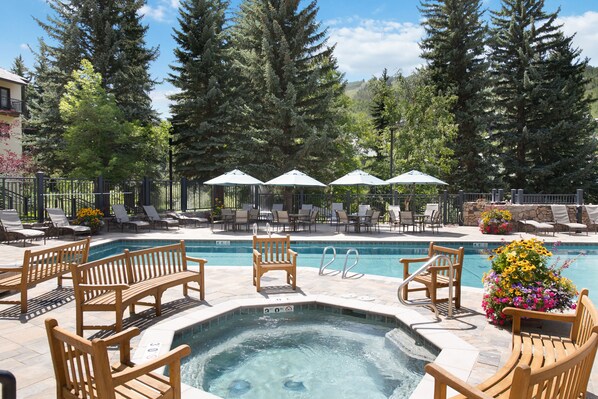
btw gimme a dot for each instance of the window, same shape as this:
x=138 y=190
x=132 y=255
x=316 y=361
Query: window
x=4 y=98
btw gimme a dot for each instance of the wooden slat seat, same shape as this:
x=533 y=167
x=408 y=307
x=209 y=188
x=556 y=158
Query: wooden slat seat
x=42 y=265
x=82 y=368
x=541 y=366
x=123 y=280
x=437 y=276
x=274 y=253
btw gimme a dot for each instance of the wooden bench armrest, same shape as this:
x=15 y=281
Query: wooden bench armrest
x=406 y=261
x=170 y=358
x=292 y=253
x=517 y=314
x=201 y=261
x=11 y=269
x=123 y=336
x=443 y=379
x=103 y=287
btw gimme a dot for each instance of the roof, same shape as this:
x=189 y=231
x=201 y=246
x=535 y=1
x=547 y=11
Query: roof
x=11 y=77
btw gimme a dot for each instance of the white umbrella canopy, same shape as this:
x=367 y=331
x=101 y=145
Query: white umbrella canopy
x=358 y=178
x=294 y=178
x=234 y=178
x=415 y=177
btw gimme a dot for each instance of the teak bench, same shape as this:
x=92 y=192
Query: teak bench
x=121 y=281
x=540 y=366
x=42 y=265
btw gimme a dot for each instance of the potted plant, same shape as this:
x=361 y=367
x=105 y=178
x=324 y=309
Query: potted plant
x=90 y=217
x=496 y=221
x=522 y=277
x=217 y=209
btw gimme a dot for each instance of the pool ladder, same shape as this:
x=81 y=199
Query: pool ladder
x=421 y=270
x=350 y=251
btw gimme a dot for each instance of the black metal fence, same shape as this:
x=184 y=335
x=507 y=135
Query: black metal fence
x=30 y=196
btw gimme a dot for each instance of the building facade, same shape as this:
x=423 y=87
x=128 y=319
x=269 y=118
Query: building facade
x=12 y=107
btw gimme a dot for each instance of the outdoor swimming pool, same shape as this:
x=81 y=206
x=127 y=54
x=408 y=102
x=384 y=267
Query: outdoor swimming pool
x=374 y=258
x=305 y=353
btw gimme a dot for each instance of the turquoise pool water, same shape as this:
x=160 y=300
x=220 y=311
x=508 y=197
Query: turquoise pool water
x=374 y=258
x=303 y=354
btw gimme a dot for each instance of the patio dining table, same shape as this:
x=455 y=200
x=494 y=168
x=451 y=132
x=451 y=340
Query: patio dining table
x=297 y=218
x=358 y=221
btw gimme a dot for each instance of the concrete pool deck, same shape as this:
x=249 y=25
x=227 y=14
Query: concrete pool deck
x=24 y=350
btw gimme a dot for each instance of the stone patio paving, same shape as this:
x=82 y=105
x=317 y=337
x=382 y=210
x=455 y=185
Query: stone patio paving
x=24 y=350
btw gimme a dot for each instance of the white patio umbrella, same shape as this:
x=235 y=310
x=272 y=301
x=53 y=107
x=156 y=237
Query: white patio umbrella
x=415 y=177
x=358 y=178
x=294 y=178
x=234 y=178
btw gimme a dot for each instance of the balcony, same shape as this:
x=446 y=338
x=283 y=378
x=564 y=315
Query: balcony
x=13 y=106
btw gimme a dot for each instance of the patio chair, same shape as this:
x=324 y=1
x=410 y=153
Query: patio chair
x=373 y=221
x=281 y=219
x=362 y=210
x=435 y=221
x=254 y=215
x=307 y=206
x=13 y=228
x=428 y=212
x=227 y=217
x=437 y=275
x=592 y=211
x=241 y=219
x=155 y=219
x=336 y=206
x=276 y=207
x=274 y=253
x=61 y=223
x=343 y=220
x=560 y=215
x=186 y=220
x=406 y=219
x=122 y=219
x=311 y=221
x=82 y=367
x=393 y=219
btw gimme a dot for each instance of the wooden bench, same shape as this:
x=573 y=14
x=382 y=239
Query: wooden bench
x=83 y=370
x=41 y=265
x=540 y=366
x=120 y=281
x=274 y=253
x=437 y=276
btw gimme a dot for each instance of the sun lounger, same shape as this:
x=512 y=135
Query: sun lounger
x=155 y=219
x=561 y=217
x=592 y=211
x=535 y=226
x=186 y=220
x=122 y=218
x=60 y=222
x=13 y=228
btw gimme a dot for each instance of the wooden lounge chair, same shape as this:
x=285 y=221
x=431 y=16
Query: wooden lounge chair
x=13 y=228
x=60 y=222
x=560 y=215
x=83 y=370
x=274 y=253
x=541 y=366
x=437 y=276
x=155 y=219
x=122 y=218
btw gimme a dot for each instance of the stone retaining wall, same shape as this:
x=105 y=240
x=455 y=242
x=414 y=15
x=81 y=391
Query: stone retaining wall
x=541 y=213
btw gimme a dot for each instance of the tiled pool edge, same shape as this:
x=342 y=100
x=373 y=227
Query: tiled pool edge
x=158 y=340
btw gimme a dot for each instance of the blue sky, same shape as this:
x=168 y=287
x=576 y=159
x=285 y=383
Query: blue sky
x=369 y=34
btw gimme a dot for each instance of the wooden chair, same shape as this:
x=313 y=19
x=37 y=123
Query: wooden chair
x=274 y=253
x=83 y=370
x=541 y=366
x=437 y=275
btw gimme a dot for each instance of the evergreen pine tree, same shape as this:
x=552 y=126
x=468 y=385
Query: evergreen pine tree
x=109 y=34
x=18 y=67
x=542 y=122
x=291 y=86
x=454 y=48
x=202 y=115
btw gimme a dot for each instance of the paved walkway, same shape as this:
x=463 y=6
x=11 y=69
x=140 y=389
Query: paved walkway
x=24 y=349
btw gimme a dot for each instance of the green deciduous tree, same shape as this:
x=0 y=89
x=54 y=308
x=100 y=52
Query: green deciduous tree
x=543 y=127
x=454 y=48
x=290 y=85
x=98 y=140
x=203 y=111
